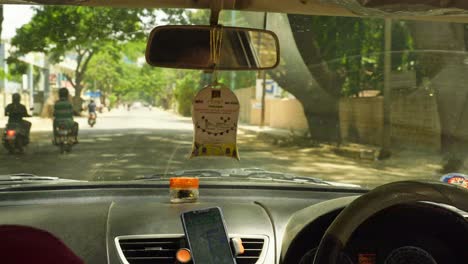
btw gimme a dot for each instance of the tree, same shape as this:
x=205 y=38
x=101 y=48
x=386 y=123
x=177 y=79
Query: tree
x=441 y=65
x=119 y=72
x=2 y=72
x=185 y=91
x=78 y=32
x=239 y=79
x=152 y=83
x=104 y=72
x=318 y=54
x=335 y=57
x=186 y=17
x=1 y=19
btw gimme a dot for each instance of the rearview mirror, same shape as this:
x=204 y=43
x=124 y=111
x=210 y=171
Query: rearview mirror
x=191 y=47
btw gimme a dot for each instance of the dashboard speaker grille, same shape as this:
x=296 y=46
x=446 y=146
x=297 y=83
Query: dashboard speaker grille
x=162 y=250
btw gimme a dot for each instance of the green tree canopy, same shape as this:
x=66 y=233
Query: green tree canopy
x=335 y=57
x=104 y=72
x=344 y=54
x=120 y=74
x=78 y=32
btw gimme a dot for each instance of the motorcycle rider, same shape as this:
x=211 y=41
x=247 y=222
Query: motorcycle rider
x=92 y=108
x=16 y=112
x=63 y=113
x=92 y=115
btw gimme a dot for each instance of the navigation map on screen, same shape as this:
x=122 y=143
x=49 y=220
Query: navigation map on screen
x=207 y=237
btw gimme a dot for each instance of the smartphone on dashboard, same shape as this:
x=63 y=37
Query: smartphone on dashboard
x=206 y=235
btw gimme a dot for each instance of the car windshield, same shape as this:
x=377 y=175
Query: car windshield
x=362 y=101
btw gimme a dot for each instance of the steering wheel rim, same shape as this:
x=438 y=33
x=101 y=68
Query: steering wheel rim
x=339 y=232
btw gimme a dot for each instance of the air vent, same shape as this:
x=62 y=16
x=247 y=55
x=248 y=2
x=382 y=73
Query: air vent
x=161 y=249
x=253 y=250
x=150 y=250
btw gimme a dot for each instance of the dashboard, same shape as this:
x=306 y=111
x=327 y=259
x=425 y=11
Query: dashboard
x=124 y=224
x=416 y=233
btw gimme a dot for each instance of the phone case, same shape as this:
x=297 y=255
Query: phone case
x=218 y=209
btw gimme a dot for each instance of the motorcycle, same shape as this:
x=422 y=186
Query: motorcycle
x=64 y=138
x=92 y=119
x=15 y=138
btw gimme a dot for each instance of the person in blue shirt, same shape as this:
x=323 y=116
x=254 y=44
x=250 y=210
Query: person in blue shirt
x=92 y=107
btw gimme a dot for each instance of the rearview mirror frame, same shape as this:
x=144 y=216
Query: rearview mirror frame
x=151 y=40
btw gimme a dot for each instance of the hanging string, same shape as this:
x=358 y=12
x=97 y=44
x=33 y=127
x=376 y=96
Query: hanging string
x=216 y=38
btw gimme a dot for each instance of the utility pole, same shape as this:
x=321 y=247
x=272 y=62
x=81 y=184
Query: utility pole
x=4 y=69
x=262 y=116
x=31 y=84
x=46 y=73
x=387 y=100
x=233 y=73
x=3 y=58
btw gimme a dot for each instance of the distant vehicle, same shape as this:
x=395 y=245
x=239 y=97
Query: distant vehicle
x=137 y=105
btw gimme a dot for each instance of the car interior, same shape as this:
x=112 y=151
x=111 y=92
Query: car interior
x=135 y=222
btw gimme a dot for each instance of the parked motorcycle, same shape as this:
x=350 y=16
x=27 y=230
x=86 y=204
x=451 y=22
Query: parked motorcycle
x=92 y=119
x=15 y=138
x=64 y=138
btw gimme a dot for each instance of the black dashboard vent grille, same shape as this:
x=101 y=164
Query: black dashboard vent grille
x=162 y=250
x=150 y=250
x=253 y=249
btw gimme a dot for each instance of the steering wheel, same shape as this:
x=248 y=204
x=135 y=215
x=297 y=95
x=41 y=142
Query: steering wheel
x=338 y=234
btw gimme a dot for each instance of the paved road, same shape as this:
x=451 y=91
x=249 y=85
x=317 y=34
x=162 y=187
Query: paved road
x=124 y=145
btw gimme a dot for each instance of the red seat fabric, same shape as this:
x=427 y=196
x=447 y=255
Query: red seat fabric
x=22 y=244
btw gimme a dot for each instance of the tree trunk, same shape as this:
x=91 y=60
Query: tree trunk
x=82 y=65
x=77 y=100
x=329 y=80
x=1 y=20
x=323 y=127
x=103 y=98
x=447 y=73
x=319 y=100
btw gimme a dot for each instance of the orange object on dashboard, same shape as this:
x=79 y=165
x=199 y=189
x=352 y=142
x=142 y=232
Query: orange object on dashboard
x=184 y=189
x=367 y=258
x=184 y=182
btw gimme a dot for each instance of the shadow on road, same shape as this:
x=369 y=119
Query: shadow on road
x=123 y=154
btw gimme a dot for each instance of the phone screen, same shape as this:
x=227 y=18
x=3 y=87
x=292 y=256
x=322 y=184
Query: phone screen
x=207 y=237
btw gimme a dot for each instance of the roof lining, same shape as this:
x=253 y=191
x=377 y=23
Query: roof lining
x=307 y=7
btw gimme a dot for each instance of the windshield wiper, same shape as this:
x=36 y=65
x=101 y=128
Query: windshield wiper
x=205 y=173
x=260 y=174
x=245 y=173
x=27 y=177
x=278 y=176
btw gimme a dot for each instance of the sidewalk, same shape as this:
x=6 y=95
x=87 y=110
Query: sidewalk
x=285 y=137
x=267 y=133
x=278 y=135
x=38 y=123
